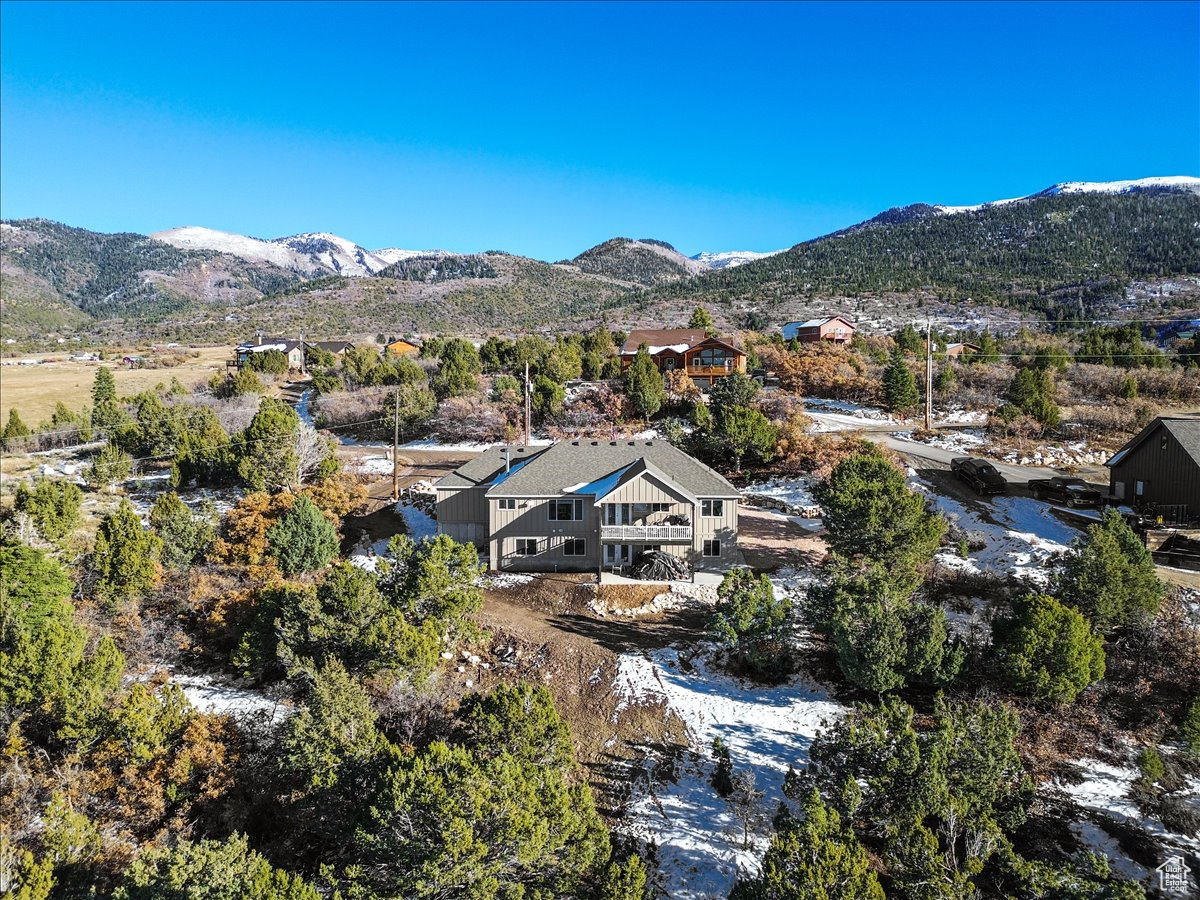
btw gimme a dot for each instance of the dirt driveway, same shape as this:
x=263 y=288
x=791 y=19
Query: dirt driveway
x=770 y=540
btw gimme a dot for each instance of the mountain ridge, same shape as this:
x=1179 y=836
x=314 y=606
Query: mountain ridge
x=1062 y=252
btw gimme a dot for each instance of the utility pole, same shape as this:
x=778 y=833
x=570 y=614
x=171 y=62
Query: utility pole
x=527 y=404
x=396 y=446
x=928 y=375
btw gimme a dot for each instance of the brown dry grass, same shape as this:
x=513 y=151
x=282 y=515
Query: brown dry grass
x=34 y=390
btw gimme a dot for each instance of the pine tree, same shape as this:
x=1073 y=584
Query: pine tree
x=644 y=385
x=106 y=412
x=1048 y=650
x=900 y=392
x=267 y=448
x=210 y=870
x=752 y=622
x=872 y=514
x=110 y=466
x=303 y=540
x=1110 y=576
x=14 y=431
x=125 y=558
x=1189 y=730
x=52 y=505
x=185 y=537
x=702 y=318
x=816 y=856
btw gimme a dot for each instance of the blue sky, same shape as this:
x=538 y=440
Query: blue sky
x=544 y=129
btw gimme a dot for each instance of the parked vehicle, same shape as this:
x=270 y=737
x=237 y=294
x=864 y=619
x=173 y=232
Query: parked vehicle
x=1071 y=491
x=979 y=474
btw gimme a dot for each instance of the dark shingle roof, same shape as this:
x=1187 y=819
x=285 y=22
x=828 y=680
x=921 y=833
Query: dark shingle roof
x=574 y=464
x=484 y=468
x=1186 y=431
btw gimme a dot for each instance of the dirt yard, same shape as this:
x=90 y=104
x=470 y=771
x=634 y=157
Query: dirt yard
x=33 y=390
x=770 y=540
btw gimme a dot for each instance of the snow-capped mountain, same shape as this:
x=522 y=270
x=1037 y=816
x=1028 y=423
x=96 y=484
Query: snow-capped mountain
x=314 y=253
x=336 y=253
x=394 y=254
x=1173 y=183
x=730 y=258
x=193 y=237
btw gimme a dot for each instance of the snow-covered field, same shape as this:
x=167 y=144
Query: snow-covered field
x=698 y=834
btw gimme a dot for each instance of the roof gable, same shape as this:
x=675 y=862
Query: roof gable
x=1185 y=431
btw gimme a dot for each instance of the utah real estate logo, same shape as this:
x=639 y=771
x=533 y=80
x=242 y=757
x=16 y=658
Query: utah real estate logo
x=1173 y=874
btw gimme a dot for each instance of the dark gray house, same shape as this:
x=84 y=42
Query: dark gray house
x=1160 y=467
x=590 y=506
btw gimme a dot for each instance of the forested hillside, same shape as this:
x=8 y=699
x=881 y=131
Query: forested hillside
x=1059 y=255
x=1062 y=256
x=645 y=262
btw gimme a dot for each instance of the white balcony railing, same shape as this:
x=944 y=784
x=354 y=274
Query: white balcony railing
x=647 y=534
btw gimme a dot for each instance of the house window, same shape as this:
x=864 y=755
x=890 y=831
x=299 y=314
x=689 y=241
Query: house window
x=574 y=547
x=1139 y=488
x=566 y=510
x=712 y=509
x=713 y=358
x=526 y=547
x=712 y=548
x=508 y=502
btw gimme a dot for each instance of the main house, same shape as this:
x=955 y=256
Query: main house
x=1159 y=469
x=691 y=350
x=834 y=329
x=590 y=506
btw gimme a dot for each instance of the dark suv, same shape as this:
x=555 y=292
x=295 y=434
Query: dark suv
x=979 y=474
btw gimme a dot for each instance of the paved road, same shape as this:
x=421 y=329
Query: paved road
x=884 y=433
x=914 y=450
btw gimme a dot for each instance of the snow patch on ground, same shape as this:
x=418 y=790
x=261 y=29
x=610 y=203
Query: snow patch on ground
x=966 y=440
x=420 y=524
x=500 y=581
x=371 y=465
x=1100 y=841
x=698 y=836
x=791 y=495
x=1027 y=539
x=1105 y=789
x=211 y=695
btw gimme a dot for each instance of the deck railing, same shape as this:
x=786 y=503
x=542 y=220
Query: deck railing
x=646 y=534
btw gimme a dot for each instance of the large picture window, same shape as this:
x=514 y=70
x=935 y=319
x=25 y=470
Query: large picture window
x=566 y=510
x=713 y=358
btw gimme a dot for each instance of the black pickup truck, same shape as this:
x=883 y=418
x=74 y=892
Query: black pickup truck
x=1071 y=491
x=979 y=474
